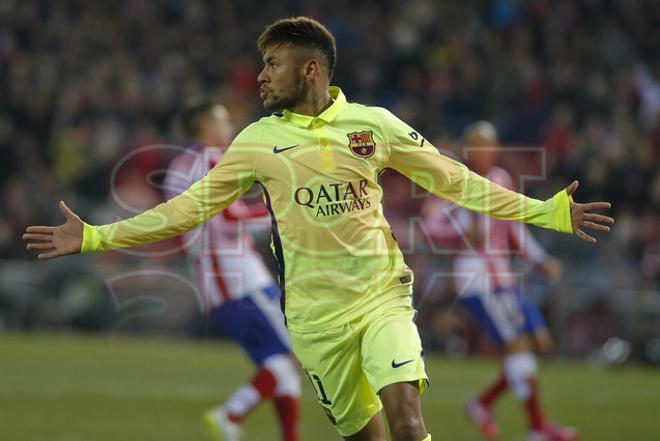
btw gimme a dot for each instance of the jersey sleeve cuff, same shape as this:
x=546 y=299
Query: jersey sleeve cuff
x=562 y=202
x=91 y=239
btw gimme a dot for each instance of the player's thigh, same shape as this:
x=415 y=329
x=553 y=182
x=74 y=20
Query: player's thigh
x=534 y=321
x=331 y=360
x=392 y=350
x=536 y=328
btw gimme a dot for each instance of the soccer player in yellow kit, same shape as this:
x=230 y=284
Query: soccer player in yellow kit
x=346 y=290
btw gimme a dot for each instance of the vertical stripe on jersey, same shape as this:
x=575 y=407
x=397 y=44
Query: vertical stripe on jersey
x=277 y=244
x=219 y=278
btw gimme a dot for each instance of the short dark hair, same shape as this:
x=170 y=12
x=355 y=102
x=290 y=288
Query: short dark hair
x=192 y=114
x=302 y=32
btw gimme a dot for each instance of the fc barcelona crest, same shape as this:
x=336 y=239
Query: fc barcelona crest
x=362 y=143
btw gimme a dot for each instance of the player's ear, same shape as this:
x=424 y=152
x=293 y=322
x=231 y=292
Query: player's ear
x=312 y=67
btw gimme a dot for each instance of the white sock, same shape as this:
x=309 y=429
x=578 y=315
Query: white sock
x=519 y=368
x=286 y=375
x=244 y=399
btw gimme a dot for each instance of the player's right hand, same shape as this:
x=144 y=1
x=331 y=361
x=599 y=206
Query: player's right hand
x=584 y=216
x=56 y=241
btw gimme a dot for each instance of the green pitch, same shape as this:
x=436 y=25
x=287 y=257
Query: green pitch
x=64 y=388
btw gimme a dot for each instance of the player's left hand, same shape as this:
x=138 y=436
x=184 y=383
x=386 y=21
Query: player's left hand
x=583 y=216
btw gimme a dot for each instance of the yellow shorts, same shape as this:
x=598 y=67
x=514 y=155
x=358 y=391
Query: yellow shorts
x=350 y=364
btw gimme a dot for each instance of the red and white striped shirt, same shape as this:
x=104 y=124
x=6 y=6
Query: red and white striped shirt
x=484 y=246
x=221 y=251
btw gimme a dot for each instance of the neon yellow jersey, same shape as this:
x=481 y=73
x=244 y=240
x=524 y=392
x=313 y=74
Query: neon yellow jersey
x=337 y=256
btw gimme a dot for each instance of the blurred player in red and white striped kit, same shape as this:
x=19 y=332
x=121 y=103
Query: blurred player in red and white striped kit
x=489 y=290
x=240 y=295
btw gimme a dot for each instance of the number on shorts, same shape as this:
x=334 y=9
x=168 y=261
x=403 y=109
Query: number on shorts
x=318 y=387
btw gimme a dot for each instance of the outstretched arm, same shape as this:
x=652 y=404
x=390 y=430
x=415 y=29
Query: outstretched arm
x=410 y=154
x=204 y=199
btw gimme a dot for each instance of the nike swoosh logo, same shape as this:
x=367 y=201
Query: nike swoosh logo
x=398 y=365
x=283 y=149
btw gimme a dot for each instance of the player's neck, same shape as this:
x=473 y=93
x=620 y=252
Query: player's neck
x=314 y=103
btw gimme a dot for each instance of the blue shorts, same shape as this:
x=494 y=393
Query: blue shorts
x=504 y=314
x=255 y=322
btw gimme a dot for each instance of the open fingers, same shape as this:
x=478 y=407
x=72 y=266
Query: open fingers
x=591 y=206
x=46 y=256
x=66 y=211
x=584 y=236
x=40 y=246
x=39 y=237
x=594 y=226
x=40 y=230
x=598 y=218
x=571 y=188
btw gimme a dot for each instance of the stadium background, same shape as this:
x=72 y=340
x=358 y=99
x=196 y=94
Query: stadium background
x=87 y=88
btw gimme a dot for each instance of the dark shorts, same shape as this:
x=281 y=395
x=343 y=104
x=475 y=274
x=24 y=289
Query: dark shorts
x=504 y=314
x=255 y=322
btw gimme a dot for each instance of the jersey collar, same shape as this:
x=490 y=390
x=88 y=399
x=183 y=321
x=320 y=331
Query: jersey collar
x=328 y=115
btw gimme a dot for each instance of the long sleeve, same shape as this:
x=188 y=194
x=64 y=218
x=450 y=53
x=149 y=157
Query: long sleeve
x=182 y=172
x=410 y=154
x=204 y=199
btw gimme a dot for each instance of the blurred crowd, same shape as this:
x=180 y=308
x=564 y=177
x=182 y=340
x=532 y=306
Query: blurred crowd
x=82 y=83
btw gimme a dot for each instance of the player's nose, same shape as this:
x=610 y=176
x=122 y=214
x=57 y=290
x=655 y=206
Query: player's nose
x=262 y=77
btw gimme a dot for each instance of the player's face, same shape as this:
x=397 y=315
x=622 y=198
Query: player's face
x=281 y=82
